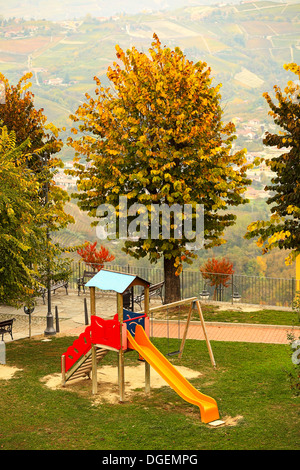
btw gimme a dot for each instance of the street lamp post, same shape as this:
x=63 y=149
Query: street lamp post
x=50 y=330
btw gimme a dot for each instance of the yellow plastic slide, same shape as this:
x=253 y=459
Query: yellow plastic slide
x=207 y=405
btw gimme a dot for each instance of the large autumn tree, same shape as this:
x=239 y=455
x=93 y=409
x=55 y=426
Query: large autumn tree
x=156 y=136
x=40 y=144
x=282 y=230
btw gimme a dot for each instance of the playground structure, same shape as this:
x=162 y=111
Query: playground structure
x=130 y=331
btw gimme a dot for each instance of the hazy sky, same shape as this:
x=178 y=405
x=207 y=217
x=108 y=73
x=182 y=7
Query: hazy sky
x=68 y=9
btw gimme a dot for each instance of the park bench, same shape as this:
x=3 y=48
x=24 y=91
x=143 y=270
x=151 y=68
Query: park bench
x=6 y=327
x=128 y=299
x=154 y=289
x=81 y=281
x=54 y=287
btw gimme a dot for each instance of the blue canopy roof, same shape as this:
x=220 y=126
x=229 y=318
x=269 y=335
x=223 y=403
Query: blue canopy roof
x=111 y=280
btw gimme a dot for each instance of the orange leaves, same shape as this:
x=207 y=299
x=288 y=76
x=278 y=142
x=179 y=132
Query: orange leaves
x=19 y=114
x=218 y=272
x=93 y=257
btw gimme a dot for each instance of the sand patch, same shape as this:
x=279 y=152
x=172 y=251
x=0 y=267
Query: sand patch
x=135 y=376
x=7 y=372
x=52 y=381
x=108 y=381
x=229 y=421
x=134 y=379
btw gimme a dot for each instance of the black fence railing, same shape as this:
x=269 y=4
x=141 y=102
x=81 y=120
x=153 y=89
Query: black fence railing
x=231 y=288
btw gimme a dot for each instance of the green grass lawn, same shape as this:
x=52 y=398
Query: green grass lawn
x=250 y=385
x=267 y=317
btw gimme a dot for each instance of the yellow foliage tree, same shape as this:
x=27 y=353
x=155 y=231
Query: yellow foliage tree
x=156 y=136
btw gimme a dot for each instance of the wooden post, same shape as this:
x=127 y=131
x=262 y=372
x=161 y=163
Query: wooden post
x=121 y=380
x=147 y=365
x=185 y=331
x=205 y=335
x=94 y=354
x=94 y=370
x=63 y=370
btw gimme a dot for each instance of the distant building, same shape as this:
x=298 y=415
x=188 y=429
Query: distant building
x=55 y=81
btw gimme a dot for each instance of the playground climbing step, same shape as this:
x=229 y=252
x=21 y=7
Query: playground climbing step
x=83 y=367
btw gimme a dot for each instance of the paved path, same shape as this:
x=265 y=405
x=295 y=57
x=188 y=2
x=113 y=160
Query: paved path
x=231 y=332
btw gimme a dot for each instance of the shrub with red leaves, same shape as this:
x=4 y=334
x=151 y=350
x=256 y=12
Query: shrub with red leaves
x=218 y=272
x=93 y=257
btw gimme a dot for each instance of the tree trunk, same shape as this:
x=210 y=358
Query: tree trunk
x=172 y=282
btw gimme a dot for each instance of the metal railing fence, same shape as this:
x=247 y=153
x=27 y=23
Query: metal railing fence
x=231 y=288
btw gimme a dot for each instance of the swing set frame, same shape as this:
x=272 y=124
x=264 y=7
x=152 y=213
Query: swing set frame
x=191 y=301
